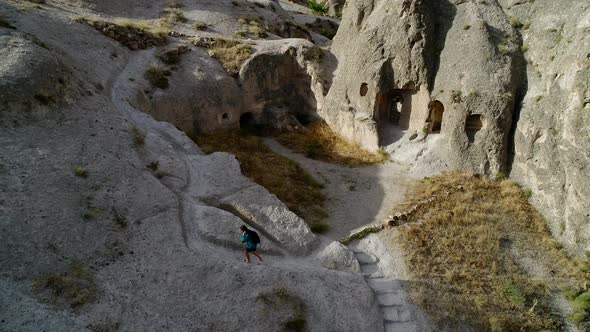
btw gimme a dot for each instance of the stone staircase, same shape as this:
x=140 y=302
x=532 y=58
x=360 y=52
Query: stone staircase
x=398 y=313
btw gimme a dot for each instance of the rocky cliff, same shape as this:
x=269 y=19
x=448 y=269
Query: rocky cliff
x=492 y=87
x=550 y=144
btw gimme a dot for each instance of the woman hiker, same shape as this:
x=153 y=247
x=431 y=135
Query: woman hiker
x=251 y=239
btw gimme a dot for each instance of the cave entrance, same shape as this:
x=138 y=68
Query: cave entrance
x=435 y=116
x=393 y=114
x=473 y=124
x=247 y=120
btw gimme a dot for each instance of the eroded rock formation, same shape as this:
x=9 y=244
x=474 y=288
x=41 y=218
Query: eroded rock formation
x=407 y=68
x=551 y=132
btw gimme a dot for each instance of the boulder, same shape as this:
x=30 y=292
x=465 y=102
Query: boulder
x=268 y=213
x=337 y=256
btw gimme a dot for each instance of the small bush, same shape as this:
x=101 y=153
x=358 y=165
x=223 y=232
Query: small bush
x=466 y=27
x=317 y=8
x=157 y=76
x=581 y=305
x=513 y=294
x=199 y=26
x=153 y=166
x=456 y=96
x=138 y=136
x=81 y=172
x=516 y=23
x=90 y=214
x=503 y=48
x=119 y=219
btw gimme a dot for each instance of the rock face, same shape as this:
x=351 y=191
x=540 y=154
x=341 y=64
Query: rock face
x=31 y=76
x=484 y=86
x=411 y=67
x=551 y=147
x=206 y=99
x=292 y=87
x=203 y=99
x=110 y=218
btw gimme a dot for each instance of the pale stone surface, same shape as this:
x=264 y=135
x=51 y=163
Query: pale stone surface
x=337 y=256
x=551 y=148
x=462 y=54
x=145 y=230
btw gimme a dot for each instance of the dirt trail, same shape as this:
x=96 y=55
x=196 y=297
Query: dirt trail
x=359 y=197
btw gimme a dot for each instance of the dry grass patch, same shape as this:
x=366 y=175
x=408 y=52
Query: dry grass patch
x=320 y=142
x=230 y=53
x=148 y=27
x=172 y=17
x=74 y=287
x=157 y=76
x=279 y=175
x=472 y=253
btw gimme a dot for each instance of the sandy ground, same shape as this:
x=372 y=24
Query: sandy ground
x=357 y=197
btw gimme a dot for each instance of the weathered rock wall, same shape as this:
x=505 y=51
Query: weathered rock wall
x=462 y=54
x=551 y=147
x=112 y=213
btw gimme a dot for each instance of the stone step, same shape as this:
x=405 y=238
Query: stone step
x=395 y=298
x=383 y=286
x=401 y=327
x=397 y=314
x=365 y=258
x=369 y=268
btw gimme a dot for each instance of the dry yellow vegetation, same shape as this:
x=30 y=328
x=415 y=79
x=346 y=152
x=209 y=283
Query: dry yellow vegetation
x=279 y=175
x=482 y=256
x=320 y=142
x=230 y=53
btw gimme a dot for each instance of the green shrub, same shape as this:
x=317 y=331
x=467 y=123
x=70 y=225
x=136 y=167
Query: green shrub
x=516 y=23
x=81 y=171
x=581 y=305
x=503 y=48
x=157 y=76
x=199 y=26
x=317 y=8
x=513 y=294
